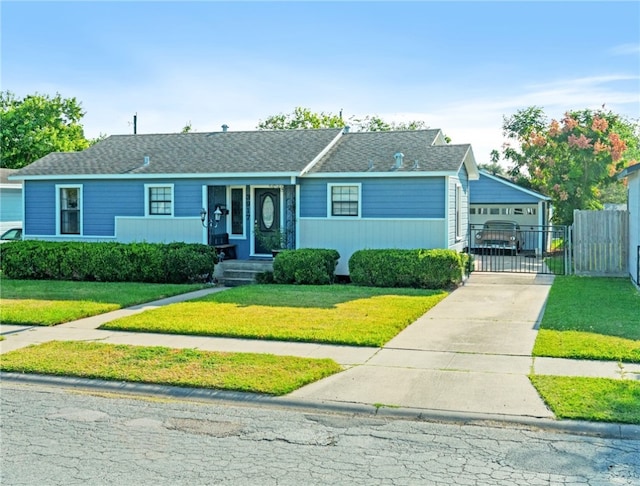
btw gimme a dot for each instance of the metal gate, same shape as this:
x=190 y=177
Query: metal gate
x=505 y=246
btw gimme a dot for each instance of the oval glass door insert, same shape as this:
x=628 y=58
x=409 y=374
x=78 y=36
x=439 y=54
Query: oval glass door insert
x=268 y=213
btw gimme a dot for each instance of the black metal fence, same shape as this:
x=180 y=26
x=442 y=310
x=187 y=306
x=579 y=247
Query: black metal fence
x=519 y=249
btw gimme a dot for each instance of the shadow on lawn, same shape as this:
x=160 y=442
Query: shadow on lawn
x=307 y=296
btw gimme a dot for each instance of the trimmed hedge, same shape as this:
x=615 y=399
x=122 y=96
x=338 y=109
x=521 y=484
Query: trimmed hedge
x=426 y=269
x=305 y=266
x=107 y=262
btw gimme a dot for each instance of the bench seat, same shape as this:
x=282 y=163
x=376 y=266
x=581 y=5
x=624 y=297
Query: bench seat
x=222 y=246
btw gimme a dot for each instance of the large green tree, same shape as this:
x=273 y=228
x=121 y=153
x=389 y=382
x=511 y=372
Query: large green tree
x=301 y=118
x=304 y=118
x=37 y=125
x=574 y=161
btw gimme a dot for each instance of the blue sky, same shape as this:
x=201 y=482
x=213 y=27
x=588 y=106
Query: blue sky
x=458 y=66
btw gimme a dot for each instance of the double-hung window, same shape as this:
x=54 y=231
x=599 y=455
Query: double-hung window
x=159 y=200
x=344 y=200
x=69 y=204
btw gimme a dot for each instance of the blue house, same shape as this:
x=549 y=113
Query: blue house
x=327 y=188
x=496 y=198
x=10 y=201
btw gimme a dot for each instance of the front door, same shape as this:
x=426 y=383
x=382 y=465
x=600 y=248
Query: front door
x=267 y=212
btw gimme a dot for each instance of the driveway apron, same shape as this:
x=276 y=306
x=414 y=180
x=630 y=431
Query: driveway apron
x=470 y=353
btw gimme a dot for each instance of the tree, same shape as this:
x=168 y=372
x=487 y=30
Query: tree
x=572 y=160
x=37 y=125
x=301 y=118
x=304 y=118
x=494 y=166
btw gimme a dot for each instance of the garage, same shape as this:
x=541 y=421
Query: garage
x=510 y=227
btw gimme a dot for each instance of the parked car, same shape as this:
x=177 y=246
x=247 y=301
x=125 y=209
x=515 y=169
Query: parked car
x=500 y=235
x=11 y=235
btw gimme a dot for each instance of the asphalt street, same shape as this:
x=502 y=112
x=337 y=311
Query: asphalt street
x=55 y=436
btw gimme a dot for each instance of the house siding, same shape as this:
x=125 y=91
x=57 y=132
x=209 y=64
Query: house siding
x=381 y=198
x=11 y=204
x=489 y=191
x=634 y=225
x=458 y=242
x=104 y=201
x=348 y=236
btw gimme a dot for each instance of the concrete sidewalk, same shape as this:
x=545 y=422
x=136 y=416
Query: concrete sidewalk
x=469 y=354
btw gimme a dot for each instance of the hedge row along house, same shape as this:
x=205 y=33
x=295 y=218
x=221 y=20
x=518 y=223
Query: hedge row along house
x=328 y=188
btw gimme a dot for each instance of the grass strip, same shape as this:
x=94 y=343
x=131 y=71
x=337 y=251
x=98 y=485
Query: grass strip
x=591 y=318
x=593 y=399
x=49 y=312
x=584 y=345
x=347 y=315
x=609 y=306
x=245 y=372
x=47 y=303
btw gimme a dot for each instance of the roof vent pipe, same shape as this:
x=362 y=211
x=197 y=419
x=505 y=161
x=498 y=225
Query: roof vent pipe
x=399 y=156
x=146 y=160
x=346 y=129
x=225 y=127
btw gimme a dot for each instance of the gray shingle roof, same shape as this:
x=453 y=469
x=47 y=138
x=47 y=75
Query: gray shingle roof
x=4 y=176
x=266 y=152
x=374 y=152
x=190 y=153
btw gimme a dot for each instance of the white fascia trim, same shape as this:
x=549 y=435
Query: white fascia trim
x=322 y=153
x=146 y=201
x=389 y=175
x=195 y=175
x=515 y=186
x=469 y=162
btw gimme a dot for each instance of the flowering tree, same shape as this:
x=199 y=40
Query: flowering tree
x=570 y=160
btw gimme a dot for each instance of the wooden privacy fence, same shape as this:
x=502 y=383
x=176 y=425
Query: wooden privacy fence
x=600 y=241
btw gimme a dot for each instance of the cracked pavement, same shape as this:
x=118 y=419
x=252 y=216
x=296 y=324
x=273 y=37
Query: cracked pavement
x=53 y=436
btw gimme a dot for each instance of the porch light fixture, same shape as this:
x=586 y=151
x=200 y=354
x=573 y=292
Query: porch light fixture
x=217 y=214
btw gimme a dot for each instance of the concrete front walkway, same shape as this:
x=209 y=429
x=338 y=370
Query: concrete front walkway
x=469 y=354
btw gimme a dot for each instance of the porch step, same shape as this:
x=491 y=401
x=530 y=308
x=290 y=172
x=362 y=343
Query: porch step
x=233 y=273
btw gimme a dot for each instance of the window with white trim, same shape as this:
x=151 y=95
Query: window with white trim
x=159 y=200
x=70 y=209
x=344 y=200
x=237 y=197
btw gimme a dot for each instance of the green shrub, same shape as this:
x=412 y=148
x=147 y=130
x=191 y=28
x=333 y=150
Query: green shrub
x=306 y=266
x=108 y=261
x=264 y=277
x=428 y=269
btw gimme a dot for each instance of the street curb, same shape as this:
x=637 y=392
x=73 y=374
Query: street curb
x=597 y=429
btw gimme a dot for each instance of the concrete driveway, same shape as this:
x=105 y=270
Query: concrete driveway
x=470 y=353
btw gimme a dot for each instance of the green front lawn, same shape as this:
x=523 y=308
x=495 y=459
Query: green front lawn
x=591 y=318
x=245 y=372
x=336 y=314
x=594 y=399
x=47 y=303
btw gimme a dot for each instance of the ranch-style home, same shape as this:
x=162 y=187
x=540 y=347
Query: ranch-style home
x=328 y=188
